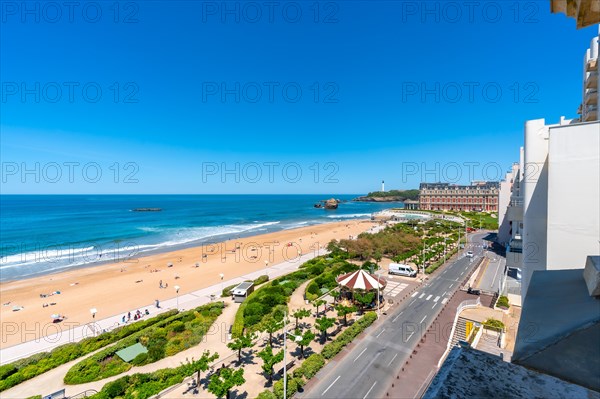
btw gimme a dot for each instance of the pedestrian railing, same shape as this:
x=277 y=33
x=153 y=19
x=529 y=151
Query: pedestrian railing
x=84 y=394
x=468 y=304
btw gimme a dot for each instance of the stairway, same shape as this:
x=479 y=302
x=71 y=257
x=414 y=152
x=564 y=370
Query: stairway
x=460 y=332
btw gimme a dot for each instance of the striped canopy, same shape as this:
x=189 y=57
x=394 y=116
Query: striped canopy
x=361 y=280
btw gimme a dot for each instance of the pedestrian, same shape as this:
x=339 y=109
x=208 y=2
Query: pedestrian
x=160 y=284
x=157 y=303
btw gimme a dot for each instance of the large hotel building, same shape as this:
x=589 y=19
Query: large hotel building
x=479 y=196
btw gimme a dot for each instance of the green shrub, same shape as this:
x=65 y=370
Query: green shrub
x=35 y=397
x=310 y=366
x=494 y=324
x=266 y=394
x=333 y=348
x=39 y=363
x=503 y=302
x=140 y=359
x=165 y=338
x=292 y=387
x=261 y=280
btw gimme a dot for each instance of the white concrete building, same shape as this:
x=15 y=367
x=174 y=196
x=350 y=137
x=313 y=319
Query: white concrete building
x=589 y=103
x=504 y=199
x=561 y=196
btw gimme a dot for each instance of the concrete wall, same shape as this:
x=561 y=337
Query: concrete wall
x=573 y=195
x=535 y=197
x=503 y=202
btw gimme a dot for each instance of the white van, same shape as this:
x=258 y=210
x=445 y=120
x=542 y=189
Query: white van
x=402 y=270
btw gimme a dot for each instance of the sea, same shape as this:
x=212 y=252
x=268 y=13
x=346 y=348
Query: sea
x=42 y=234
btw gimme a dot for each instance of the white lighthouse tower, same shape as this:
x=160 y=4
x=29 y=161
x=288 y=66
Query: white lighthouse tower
x=382 y=186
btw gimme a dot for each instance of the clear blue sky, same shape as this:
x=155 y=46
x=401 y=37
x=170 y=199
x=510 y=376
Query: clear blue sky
x=165 y=122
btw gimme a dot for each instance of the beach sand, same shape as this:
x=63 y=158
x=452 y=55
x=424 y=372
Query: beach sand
x=117 y=288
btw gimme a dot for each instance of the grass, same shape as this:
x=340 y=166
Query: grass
x=22 y=370
x=172 y=335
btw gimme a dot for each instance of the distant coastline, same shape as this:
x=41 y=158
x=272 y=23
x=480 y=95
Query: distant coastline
x=389 y=196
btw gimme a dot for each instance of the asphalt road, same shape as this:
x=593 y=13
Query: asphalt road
x=368 y=369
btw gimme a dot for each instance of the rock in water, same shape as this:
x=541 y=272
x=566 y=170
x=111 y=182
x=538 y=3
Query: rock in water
x=331 y=204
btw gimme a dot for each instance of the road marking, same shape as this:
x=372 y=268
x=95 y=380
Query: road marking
x=411 y=334
x=396 y=318
x=359 y=355
x=437 y=298
x=370 y=389
x=380 y=333
x=429 y=297
x=392 y=359
x=422 y=295
x=444 y=301
x=412 y=302
x=444 y=293
x=325 y=391
x=414 y=294
x=451 y=285
x=424 y=317
x=463 y=272
x=434 y=305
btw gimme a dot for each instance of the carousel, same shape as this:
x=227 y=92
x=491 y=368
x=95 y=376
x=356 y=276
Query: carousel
x=360 y=282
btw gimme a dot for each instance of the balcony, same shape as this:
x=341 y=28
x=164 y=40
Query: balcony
x=590 y=113
x=592 y=81
x=516 y=245
x=591 y=97
x=591 y=65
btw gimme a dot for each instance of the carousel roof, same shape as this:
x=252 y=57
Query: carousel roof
x=361 y=280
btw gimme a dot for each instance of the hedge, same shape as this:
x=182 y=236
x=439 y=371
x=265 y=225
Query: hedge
x=263 y=301
x=173 y=335
x=502 y=302
x=266 y=394
x=333 y=348
x=310 y=366
x=292 y=387
x=494 y=324
x=145 y=385
x=22 y=370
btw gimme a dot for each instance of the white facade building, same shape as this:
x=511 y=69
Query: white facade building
x=589 y=103
x=553 y=217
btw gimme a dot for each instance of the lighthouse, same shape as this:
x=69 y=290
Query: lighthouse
x=382 y=186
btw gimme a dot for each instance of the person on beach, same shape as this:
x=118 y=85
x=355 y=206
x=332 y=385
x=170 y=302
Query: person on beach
x=160 y=284
x=157 y=303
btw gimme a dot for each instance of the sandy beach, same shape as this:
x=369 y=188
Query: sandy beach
x=117 y=288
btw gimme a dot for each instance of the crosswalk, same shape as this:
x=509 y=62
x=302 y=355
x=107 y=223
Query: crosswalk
x=421 y=295
x=394 y=288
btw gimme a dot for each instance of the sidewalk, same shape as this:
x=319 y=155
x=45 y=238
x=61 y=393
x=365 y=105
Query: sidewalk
x=192 y=300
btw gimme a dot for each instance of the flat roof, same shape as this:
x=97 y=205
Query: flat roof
x=129 y=353
x=244 y=286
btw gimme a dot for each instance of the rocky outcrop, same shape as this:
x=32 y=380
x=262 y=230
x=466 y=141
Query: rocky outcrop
x=380 y=199
x=331 y=203
x=146 y=210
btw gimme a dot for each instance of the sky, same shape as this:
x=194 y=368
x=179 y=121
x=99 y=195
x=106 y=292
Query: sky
x=276 y=97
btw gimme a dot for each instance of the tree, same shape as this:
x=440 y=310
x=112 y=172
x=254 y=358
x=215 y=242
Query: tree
x=300 y=314
x=270 y=360
x=344 y=311
x=307 y=338
x=318 y=303
x=364 y=299
x=243 y=342
x=270 y=325
x=222 y=381
x=377 y=256
x=323 y=324
x=336 y=295
x=202 y=364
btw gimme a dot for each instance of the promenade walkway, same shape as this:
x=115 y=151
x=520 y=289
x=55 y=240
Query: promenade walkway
x=186 y=302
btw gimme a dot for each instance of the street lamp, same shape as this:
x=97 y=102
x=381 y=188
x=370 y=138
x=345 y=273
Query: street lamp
x=423 y=265
x=444 y=249
x=378 y=298
x=177 y=295
x=296 y=339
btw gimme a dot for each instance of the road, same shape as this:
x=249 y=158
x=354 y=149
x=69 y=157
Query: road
x=367 y=370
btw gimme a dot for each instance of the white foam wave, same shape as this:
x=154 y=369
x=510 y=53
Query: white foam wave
x=349 y=216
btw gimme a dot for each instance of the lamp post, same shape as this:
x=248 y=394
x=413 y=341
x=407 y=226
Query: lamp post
x=444 y=249
x=177 y=295
x=378 y=298
x=423 y=265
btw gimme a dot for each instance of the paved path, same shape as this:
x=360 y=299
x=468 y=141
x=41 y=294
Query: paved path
x=185 y=302
x=368 y=368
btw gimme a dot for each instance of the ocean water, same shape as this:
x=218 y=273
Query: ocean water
x=42 y=234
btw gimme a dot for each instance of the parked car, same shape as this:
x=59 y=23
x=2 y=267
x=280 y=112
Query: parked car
x=402 y=270
x=473 y=291
x=470 y=254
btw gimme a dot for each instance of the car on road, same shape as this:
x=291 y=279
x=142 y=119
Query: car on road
x=470 y=254
x=402 y=270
